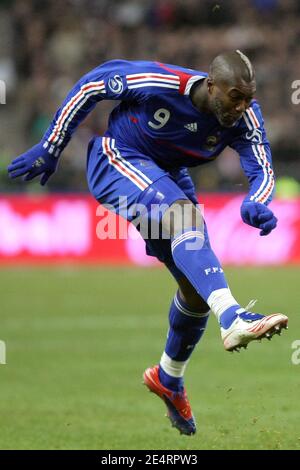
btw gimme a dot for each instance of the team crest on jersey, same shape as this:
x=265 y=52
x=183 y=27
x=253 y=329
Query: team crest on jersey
x=255 y=136
x=211 y=142
x=116 y=84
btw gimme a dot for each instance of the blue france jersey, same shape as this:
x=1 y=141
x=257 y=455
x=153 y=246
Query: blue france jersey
x=156 y=117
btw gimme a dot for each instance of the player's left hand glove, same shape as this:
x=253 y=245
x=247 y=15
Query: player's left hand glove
x=36 y=161
x=258 y=215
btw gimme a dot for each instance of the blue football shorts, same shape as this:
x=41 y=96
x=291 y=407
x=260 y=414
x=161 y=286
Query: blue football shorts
x=116 y=173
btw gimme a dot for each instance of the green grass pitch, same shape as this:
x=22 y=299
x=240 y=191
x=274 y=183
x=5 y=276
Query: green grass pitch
x=79 y=339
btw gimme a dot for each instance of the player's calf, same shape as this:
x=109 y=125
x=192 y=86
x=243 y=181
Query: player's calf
x=190 y=296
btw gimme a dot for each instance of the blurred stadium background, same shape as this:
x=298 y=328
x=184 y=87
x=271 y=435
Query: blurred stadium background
x=76 y=348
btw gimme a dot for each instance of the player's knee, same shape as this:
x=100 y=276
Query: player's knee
x=181 y=216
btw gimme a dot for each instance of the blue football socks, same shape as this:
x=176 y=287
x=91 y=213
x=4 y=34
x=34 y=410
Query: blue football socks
x=198 y=262
x=186 y=329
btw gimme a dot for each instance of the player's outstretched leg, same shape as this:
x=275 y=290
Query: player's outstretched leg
x=166 y=379
x=194 y=257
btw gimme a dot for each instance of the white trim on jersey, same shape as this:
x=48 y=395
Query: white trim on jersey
x=249 y=125
x=128 y=164
x=123 y=166
x=152 y=79
x=268 y=180
x=191 y=82
x=140 y=80
x=267 y=184
x=164 y=76
x=70 y=109
x=253 y=118
x=161 y=85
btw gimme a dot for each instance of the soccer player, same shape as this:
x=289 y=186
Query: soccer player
x=170 y=118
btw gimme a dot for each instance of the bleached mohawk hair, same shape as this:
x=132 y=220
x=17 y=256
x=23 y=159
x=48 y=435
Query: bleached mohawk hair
x=247 y=63
x=230 y=67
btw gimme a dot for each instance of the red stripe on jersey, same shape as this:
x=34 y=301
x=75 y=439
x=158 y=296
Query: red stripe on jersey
x=113 y=160
x=151 y=75
x=254 y=117
x=187 y=152
x=183 y=76
x=67 y=108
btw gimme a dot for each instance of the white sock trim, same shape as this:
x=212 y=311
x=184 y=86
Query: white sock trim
x=220 y=300
x=171 y=367
x=187 y=312
x=186 y=236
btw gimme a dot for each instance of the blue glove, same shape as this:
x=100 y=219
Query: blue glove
x=258 y=215
x=36 y=161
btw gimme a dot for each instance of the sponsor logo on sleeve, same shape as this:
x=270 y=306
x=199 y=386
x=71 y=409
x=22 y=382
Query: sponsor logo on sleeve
x=255 y=136
x=115 y=84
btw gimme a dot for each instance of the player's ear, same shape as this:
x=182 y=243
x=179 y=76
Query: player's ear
x=210 y=84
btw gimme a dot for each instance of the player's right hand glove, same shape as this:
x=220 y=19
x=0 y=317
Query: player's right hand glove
x=36 y=161
x=258 y=215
